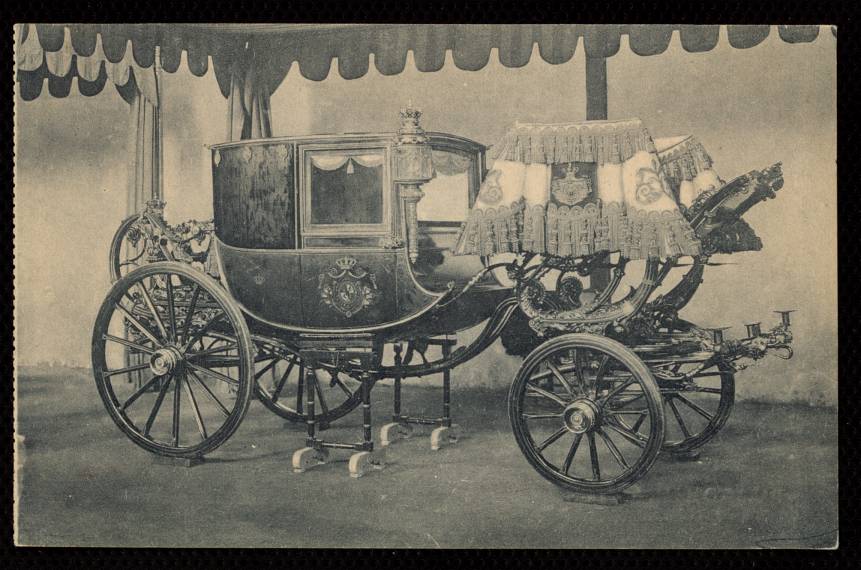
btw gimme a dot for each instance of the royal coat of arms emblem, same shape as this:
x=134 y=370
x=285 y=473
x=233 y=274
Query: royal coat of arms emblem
x=347 y=287
x=570 y=188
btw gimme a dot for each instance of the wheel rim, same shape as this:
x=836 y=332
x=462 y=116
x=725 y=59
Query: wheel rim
x=696 y=408
x=190 y=397
x=563 y=404
x=280 y=384
x=132 y=247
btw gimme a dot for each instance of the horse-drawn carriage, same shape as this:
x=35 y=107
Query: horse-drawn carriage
x=334 y=262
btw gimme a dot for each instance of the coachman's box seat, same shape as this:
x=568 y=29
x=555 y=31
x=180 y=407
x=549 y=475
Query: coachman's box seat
x=576 y=189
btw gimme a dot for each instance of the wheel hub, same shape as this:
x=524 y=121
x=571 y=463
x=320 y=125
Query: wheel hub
x=165 y=360
x=581 y=416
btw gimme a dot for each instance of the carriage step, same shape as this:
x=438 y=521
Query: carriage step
x=177 y=461
x=364 y=461
x=443 y=435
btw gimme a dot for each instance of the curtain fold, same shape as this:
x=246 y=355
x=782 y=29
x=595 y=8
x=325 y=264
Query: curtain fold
x=144 y=150
x=137 y=85
x=248 y=110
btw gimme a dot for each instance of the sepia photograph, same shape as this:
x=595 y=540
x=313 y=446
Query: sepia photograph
x=420 y=286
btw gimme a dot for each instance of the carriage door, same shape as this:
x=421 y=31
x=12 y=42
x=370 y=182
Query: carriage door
x=346 y=213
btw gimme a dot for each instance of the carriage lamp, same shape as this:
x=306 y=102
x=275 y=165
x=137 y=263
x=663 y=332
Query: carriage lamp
x=413 y=167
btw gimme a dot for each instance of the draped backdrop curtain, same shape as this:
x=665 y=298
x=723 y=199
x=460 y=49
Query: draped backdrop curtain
x=138 y=86
x=251 y=60
x=145 y=159
x=248 y=111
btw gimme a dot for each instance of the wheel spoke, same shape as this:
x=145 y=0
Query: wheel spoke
x=638 y=423
x=617 y=404
x=300 y=389
x=191 y=307
x=546 y=394
x=177 y=393
x=171 y=310
x=551 y=438
x=562 y=380
x=630 y=436
x=151 y=306
x=593 y=456
x=626 y=413
x=157 y=406
x=209 y=394
x=137 y=394
x=265 y=369
x=208 y=351
x=569 y=459
x=617 y=454
x=338 y=382
x=679 y=419
x=127 y=343
x=201 y=427
x=214 y=374
x=705 y=390
x=578 y=370
x=541 y=416
x=277 y=393
x=695 y=408
x=323 y=407
x=202 y=332
x=132 y=368
x=137 y=324
x=599 y=374
x=615 y=391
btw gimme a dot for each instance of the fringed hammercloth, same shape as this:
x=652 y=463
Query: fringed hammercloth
x=577 y=189
x=688 y=168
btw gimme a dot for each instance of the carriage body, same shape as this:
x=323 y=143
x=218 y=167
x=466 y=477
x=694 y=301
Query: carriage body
x=350 y=255
x=310 y=234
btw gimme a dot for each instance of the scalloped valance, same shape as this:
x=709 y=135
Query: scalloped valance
x=274 y=48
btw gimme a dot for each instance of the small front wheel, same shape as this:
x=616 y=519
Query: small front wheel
x=562 y=407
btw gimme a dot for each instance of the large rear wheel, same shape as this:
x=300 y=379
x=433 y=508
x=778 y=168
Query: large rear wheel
x=190 y=397
x=280 y=386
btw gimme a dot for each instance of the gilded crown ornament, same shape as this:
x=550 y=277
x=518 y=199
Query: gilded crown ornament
x=346 y=263
x=410 y=131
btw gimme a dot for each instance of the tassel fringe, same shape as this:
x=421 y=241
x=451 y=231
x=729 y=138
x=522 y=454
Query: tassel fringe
x=577 y=231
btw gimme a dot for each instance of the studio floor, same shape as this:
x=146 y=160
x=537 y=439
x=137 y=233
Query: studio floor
x=769 y=480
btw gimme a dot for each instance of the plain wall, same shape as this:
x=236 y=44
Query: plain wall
x=750 y=108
